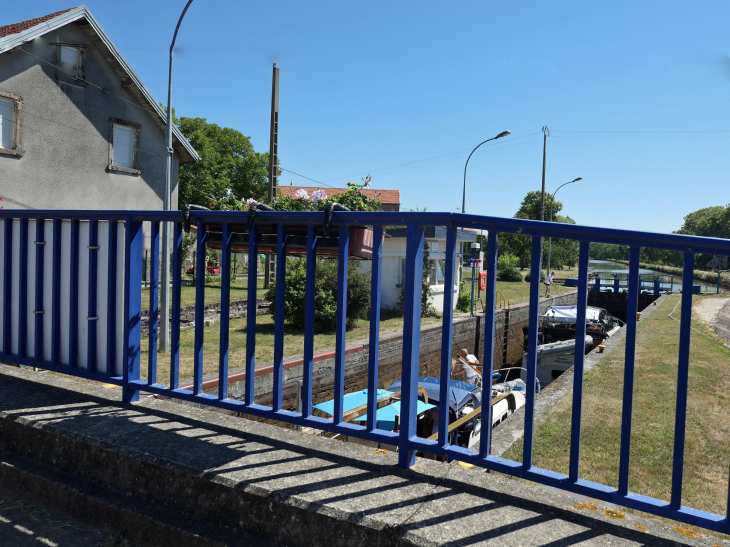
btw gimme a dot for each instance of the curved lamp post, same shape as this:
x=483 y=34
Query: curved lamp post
x=550 y=240
x=463 y=199
x=165 y=266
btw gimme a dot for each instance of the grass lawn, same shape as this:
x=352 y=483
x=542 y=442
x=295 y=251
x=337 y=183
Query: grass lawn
x=293 y=344
x=510 y=293
x=705 y=482
x=239 y=290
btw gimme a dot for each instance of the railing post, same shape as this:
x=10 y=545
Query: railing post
x=579 y=361
x=411 y=343
x=309 y=304
x=7 y=285
x=154 y=312
x=175 y=307
x=447 y=327
x=225 y=311
x=23 y=290
x=279 y=318
x=680 y=423
x=56 y=295
x=490 y=298
x=200 y=276
x=73 y=320
x=253 y=256
x=133 y=246
x=92 y=319
x=374 y=345
x=341 y=325
x=531 y=375
x=111 y=297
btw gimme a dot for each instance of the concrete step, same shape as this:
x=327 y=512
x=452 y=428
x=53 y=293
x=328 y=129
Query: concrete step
x=198 y=475
x=121 y=515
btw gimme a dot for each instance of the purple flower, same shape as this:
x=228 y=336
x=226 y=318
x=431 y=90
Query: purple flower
x=301 y=194
x=250 y=201
x=319 y=195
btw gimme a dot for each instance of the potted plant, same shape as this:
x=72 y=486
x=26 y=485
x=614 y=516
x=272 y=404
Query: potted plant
x=353 y=199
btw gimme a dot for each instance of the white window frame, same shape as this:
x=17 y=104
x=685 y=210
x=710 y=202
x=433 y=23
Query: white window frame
x=17 y=100
x=79 y=78
x=136 y=128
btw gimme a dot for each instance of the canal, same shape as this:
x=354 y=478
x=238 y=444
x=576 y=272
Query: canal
x=617 y=267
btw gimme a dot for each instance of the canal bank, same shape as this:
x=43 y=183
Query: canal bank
x=707 y=280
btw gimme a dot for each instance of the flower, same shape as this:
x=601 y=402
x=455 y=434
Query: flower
x=301 y=194
x=319 y=195
x=366 y=181
x=228 y=192
x=250 y=201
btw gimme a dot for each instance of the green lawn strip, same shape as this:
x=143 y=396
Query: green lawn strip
x=239 y=291
x=652 y=442
x=293 y=344
x=519 y=291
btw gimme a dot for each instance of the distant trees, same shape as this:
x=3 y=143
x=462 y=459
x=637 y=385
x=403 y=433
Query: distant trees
x=564 y=251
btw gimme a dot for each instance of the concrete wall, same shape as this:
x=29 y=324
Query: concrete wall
x=65 y=135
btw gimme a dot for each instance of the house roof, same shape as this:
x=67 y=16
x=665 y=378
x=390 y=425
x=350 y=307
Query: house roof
x=17 y=34
x=15 y=28
x=389 y=197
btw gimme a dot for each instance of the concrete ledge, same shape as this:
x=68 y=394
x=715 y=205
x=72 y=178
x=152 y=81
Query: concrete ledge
x=280 y=485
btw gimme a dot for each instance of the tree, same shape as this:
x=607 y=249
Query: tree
x=708 y=222
x=227 y=161
x=564 y=251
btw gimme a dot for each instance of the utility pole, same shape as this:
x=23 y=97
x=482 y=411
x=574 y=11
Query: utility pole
x=273 y=158
x=546 y=134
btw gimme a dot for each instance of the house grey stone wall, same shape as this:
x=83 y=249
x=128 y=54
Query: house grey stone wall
x=65 y=135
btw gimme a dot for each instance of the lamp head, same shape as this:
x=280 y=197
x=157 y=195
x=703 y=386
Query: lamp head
x=503 y=134
x=576 y=180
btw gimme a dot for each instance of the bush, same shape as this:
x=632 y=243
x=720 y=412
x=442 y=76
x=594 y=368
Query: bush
x=528 y=276
x=464 y=300
x=507 y=268
x=325 y=296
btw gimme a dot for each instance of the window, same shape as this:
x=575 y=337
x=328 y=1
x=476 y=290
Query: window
x=10 y=124
x=71 y=61
x=124 y=141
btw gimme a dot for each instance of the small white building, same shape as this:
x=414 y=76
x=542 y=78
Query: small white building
x=394 y=261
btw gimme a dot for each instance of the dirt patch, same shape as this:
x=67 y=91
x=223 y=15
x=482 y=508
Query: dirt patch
x=721 y=324
x=708 y=309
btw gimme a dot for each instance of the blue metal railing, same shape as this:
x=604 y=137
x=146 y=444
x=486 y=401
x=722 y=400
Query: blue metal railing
x=619 y=281
x=75 y=307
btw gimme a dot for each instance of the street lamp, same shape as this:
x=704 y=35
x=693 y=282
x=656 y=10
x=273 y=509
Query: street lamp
x=463 y=199
x=165 y=296
x=550 y=240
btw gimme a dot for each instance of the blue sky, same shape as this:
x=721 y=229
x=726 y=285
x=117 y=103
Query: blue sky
x=635 y=95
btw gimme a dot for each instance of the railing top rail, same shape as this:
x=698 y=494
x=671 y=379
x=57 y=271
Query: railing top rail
x=673 y=242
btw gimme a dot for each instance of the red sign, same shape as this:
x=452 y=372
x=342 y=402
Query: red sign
x=483 y=281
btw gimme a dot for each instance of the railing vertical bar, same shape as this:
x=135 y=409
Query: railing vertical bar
x=23 y=290
x=579 y=361
x=133 y=247
x=111 y=300
x=411 y=343
x=175 y=306
x=7 y=285
x=629 y=362
x=40 y=249
x=154 y=312
x=376 y=273
x=490 y=301
x=200 y=273
x=447 y=327
x=73 y=320
x=91 y=317
x=531 y=375
x=682 y=380
x=341 y=325
x=309 y=305
x=253 y=261
x=279 y=317
x=225 y=311
x=56 y=295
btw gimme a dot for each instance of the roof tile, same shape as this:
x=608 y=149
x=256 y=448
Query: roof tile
x=15 y=28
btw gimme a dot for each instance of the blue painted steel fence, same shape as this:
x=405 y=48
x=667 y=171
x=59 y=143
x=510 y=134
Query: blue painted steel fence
x=72 y=295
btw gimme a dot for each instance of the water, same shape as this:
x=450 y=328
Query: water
x=617 y=267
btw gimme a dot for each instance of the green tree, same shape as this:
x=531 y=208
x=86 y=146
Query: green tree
x=708 y=222
x=227 y=161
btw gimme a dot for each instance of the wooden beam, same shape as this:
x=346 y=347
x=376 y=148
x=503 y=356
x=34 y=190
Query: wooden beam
x=461 y=421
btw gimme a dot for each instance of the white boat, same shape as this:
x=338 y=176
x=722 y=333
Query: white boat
x=553 y=359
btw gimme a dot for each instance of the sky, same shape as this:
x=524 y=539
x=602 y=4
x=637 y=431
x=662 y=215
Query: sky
x=635 y=95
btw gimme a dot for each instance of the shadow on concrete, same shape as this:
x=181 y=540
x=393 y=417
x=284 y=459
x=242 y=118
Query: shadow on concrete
x=212 y=455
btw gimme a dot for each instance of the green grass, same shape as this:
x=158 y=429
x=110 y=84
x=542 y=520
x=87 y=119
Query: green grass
x=239 y=290
x=293 y=344
x=652 y=440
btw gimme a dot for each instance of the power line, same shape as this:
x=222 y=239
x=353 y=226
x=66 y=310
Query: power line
x=297 y=174
x=657 y=131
